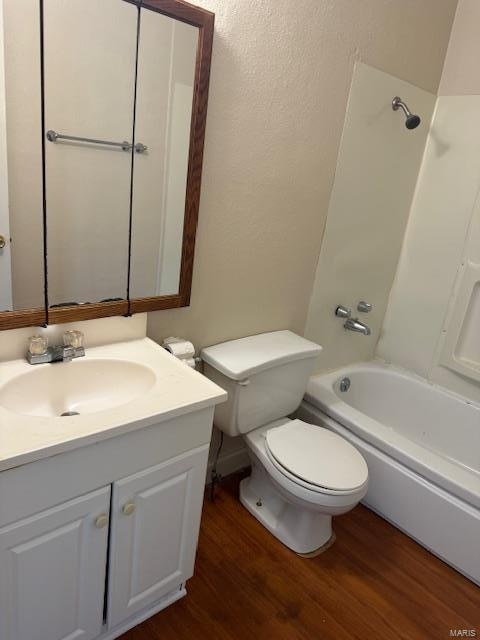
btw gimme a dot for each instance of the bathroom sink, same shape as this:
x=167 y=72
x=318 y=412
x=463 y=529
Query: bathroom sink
x=83 y=386
x=114 y=389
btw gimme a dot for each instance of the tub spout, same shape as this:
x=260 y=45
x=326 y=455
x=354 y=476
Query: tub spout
x=353 y=324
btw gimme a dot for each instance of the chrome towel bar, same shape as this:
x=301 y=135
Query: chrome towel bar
x=53 y=136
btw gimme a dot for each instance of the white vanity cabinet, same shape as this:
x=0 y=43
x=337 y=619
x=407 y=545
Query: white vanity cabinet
x=97 y=539
x=52 y=571
x=155 y=520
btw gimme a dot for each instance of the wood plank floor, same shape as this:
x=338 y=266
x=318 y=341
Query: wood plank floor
x=374 y=583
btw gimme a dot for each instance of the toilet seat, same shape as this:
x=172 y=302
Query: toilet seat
x=316 y=458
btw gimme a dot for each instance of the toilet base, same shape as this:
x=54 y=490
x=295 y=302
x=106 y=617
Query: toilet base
x=320 y=550
x=303 y=530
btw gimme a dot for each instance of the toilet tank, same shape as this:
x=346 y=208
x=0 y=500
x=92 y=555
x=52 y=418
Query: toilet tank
x=265 y=376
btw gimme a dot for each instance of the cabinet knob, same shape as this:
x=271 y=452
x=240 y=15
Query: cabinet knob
x=101 y=521
x=128 y=509
x=3 y=242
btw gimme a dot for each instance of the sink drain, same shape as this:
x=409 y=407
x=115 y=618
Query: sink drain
x=69 y=413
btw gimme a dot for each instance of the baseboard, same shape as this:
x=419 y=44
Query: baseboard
x=229 y=463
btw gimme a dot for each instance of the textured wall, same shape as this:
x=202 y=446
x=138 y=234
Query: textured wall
x=460 y=74
x=281 y=74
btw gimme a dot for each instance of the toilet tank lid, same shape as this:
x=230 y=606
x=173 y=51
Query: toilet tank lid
x=239 y=359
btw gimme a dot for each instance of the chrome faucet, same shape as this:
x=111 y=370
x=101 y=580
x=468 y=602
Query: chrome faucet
x=354 y=324
x=39 y=353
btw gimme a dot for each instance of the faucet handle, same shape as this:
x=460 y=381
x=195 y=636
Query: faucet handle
x=364 y=307
x=73 y=338
x=37 y=345
x=343 y=312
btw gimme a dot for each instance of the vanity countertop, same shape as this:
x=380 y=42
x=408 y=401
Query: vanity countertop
x=176 y=389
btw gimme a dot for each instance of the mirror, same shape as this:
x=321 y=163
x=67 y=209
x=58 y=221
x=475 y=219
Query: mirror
x=21 y=205
x=89 y=93
x=102 y=132
x=165 y=82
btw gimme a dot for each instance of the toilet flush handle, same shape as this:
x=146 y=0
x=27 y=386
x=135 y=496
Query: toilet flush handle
x=244 y=383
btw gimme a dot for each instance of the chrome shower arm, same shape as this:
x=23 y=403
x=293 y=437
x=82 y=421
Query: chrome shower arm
x=412 y=120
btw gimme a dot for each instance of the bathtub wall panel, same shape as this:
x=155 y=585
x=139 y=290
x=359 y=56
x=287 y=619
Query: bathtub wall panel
x=460 y=343
x=376 y=173
x=433 y=304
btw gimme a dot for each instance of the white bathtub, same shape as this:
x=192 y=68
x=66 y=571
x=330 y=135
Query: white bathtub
x=422 y=446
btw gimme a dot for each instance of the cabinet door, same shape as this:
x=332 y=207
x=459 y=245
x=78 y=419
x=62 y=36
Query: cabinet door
x=155 y=522
x=52 y=571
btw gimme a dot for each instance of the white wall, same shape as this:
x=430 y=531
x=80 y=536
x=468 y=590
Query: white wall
x=439 y=220
x=432 y=311
x=460 y=73
x=376 y=173
x=459 y=347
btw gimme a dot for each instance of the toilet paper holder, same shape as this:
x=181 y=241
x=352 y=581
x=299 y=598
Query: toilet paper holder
x=181 y=349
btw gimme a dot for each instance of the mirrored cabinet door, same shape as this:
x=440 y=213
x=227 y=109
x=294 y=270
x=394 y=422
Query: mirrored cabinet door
x=102 y=124
x=21 y=191
x=167 y=54
x=89 y=62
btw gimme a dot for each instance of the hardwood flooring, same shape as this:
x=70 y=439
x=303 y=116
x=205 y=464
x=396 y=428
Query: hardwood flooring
x=374 y=583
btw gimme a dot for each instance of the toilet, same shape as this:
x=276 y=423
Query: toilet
x=302 y=474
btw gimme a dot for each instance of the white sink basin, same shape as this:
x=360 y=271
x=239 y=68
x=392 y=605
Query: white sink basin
x=114 y=389
x=79 y=387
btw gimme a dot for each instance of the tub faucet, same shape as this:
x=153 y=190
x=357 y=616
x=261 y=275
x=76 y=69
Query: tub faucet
x=354 y=324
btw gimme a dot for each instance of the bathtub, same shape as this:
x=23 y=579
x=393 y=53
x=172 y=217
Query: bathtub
x=422 y=446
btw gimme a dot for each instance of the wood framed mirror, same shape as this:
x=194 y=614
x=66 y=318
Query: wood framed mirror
x=103 y=151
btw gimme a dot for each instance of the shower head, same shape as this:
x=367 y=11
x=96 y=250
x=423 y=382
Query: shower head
x=412 y=121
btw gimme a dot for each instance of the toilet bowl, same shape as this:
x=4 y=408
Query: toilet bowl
x=302 y=474
x=296 y=511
